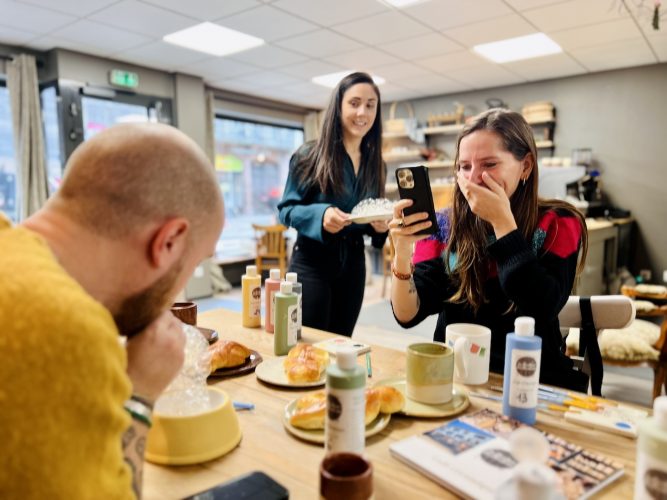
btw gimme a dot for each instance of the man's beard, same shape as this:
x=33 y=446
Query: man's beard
x=139 y=310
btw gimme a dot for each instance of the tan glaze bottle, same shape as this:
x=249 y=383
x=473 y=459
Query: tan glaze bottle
x=251 y=290
x=271 y=287
x=651 y=472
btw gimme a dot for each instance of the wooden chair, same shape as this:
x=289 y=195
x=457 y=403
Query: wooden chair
x=271 y=248
x=387 y=258
x=618 y=311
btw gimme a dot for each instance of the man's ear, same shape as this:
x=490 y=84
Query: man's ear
x=169 y=242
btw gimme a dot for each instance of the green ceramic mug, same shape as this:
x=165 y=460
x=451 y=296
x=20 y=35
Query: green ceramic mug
x=430 y=372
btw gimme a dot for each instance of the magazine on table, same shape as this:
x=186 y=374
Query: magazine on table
x=471 y=456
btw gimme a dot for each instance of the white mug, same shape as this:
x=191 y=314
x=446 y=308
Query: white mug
x=472 y=352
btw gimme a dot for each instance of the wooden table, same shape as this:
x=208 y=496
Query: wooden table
x=267 y=446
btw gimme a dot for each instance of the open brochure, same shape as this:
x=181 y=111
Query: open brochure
x=471 y=456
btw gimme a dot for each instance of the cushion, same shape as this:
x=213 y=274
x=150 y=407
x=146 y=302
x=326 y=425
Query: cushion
x=634 y=343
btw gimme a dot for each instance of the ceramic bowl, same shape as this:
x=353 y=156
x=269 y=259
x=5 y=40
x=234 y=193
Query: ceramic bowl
x=191 y=439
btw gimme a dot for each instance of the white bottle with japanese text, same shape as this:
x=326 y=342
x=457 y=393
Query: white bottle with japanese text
x=522 y=371
x=298 y=290
x=651 y=471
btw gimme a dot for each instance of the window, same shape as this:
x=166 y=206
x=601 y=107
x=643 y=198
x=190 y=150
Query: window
x=8 y=201
x=99 y=114
x=251 y=162
x=54 y=167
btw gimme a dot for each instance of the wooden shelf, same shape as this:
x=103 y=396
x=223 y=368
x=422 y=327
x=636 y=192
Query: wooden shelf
x=409 y=155
x=541 y=122
x=444 y=129
x=395 y=135
x=431 y=164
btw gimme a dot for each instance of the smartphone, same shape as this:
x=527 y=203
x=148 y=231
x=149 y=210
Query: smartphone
x=414 y=184
x=253 y=486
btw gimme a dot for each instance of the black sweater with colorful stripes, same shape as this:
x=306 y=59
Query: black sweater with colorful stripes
x=536 y=276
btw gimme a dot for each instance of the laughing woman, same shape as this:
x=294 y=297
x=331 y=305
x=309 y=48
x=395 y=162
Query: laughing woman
x=326 y=180
x=503 y=252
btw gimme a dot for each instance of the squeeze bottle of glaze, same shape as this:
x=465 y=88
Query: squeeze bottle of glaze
x=651 y=472
x=344 y=426
x=522 y=371
x=298 y=290
x=251 y=290
x=271 y=287
x=284 y=335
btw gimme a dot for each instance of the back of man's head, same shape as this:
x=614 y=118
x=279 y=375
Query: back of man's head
x=132 y=175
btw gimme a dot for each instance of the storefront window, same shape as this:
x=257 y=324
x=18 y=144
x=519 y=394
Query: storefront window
x=251 y=161
x=8 y=201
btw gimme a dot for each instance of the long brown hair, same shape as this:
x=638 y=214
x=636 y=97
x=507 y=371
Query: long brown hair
x=323 y=164
x=469 y=235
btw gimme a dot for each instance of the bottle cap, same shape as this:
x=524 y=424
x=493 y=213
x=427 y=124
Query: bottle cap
x=291 y=277
x=274 y=274
x=285 y=287
x=524 y=326
x=660 y=411
x=346 y=358
x=251 y=270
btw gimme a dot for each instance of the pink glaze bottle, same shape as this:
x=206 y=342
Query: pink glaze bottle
x=271 y=287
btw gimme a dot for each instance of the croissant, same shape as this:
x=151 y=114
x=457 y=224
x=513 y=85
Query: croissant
x=227 y=354
x=310 y=409
x=305 y=363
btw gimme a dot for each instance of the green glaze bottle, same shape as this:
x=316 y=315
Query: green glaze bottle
x=285 y=327
x=651 y=472
x=344 y=426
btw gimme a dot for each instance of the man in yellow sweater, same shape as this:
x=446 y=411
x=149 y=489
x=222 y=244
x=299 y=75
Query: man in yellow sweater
x=138 y=209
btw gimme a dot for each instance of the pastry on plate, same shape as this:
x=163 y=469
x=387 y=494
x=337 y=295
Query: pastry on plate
x=305 y=363
x=227 y=354
x=309 y=410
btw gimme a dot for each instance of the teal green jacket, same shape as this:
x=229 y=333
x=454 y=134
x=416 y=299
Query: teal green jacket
x=302 y=207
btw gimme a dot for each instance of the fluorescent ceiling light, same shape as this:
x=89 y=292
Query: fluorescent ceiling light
x=213 y=39
x=521 y=47
x=332 y=79
x=401 y=4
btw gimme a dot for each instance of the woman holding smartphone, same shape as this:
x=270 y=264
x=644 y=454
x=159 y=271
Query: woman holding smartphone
x=327 y=178
x=504 y=252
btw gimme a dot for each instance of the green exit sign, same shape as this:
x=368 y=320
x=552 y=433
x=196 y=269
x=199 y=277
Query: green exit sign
x=124 y=78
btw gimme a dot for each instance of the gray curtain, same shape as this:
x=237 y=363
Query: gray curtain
x=312 y=124
x=28 y=134
x=210 y=120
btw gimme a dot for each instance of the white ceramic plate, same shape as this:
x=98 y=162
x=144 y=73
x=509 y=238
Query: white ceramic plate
x=365 y=219
x=271 y=371
x=317 y=435
x=457 y=405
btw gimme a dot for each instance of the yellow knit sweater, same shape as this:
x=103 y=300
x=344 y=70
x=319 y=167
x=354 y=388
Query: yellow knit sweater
x=62 y=381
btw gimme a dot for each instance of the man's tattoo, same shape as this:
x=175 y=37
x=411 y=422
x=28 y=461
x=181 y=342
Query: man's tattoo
x=413 y=287
x=128 y=437
x=140 y=446
x=136 y=481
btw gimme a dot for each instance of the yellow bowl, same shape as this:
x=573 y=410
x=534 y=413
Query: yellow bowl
x=191 y=439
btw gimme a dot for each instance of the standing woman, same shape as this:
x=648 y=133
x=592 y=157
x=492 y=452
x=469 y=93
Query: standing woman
x=503 y=252
x=327 y=178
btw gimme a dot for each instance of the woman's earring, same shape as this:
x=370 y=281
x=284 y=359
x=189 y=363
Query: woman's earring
x=524 y=181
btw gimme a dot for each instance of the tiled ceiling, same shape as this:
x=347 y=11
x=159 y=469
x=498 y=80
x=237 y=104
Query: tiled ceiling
x=421 y=50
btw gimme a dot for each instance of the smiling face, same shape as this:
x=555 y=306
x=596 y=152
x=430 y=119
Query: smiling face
x=358 y=110
x=483 y=151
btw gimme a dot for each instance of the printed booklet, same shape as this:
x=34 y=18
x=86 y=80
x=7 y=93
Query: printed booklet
x=471 y=456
